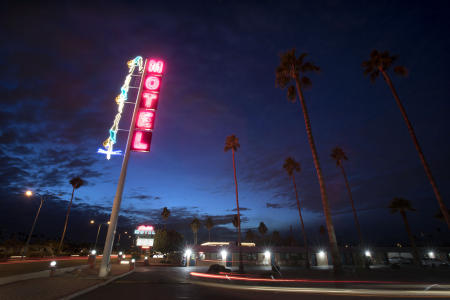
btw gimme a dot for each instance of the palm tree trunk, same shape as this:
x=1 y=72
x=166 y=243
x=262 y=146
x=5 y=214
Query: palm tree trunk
x=241 y=264
x=195 y=238
x=358 y=227
x=209 y=235
x=419 y=150
x=411 y=238
x=65 y=223
x=305 y=240
x=337 y=265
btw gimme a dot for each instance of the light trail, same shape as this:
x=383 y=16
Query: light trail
x=334 y=291
x=256 y=279
x=36 y=260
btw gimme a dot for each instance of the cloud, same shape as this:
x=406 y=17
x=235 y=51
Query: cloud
x=273 y=205
x=241 y=209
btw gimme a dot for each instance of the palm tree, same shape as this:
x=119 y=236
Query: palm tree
x=209 y=224
x=195 y=226
x=165 y=214
x=291 y=166
x=262 y=228
x=402 y=205
x=76 y=183
x=249 y=236
x=339 y=156
x=380 y=62
x=232 y=143
x=291 y=69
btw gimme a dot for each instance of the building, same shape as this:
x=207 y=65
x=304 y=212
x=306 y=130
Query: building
x=227 y=253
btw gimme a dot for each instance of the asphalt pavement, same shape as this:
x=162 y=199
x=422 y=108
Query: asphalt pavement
x=157 y=282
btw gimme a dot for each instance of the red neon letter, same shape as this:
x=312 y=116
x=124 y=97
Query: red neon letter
x=137 y=141
x=145 y=120
x=149 y=100
x=155 y=66
x=152 y=83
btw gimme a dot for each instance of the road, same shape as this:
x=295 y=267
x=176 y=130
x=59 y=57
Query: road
x=175 y=283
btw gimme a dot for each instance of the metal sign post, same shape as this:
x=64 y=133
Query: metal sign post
x=105 y=265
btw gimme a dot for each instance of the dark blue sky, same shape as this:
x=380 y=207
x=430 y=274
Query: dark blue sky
x=61 y=66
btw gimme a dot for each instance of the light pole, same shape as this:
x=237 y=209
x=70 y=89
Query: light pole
x=29 y=194
x=98 y=231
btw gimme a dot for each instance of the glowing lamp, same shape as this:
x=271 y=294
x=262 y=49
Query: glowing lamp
x=141 y=141
x=155 y=66
x=321 y=254
x=367 y=253
x=188 y=253
x=145 y=120
x=152 y=83
x=267 y=254
x=149 y=100
x=224 y=254
x=431 y=255
x=28 y=193
x=53 y=264
x=93 y=252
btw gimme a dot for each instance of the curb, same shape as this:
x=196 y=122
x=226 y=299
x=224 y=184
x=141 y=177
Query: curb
x=40 y=274
x=96 y=286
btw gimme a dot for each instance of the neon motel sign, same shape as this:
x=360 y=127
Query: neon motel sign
x=151 y=76
x=145 y=236
x=148 y=103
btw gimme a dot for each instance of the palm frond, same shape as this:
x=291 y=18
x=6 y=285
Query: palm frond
x=338 y=155
x=291 y=93
x=306 y=82
x=231 y=143
x=308 y=67
x=400 y=70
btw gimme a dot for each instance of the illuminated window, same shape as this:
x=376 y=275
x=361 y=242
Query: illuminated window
x=145 y=119
x=152 y=83
x=141 y=141
x=155 y=66
x=149 y=100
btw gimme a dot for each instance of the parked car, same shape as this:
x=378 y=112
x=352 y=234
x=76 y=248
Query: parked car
x=398 y=260
x=216 y=268
x=434 y=262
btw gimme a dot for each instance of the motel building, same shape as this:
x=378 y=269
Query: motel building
x=227 y=254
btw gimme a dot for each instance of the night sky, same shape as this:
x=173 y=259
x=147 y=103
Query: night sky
x=62 y=65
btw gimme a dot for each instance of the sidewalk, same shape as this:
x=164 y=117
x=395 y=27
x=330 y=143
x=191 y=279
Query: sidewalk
x=58 y=286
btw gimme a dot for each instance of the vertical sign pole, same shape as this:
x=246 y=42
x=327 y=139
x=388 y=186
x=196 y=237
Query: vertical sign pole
x=105 y=265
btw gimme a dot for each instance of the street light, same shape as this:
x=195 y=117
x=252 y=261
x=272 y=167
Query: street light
x=29 y=194
x=98 y=231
